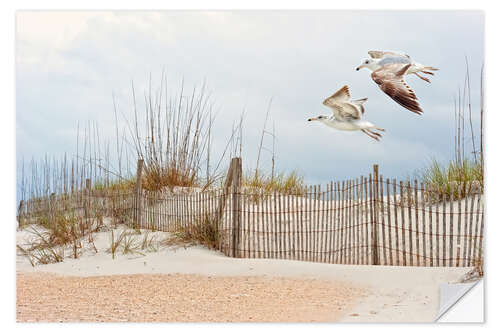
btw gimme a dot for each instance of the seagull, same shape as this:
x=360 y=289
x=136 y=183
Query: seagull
x=388 y=69
x=347 y=114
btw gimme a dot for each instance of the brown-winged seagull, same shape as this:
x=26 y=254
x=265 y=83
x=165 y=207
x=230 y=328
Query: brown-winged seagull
x=388 y=69
x=347 y=114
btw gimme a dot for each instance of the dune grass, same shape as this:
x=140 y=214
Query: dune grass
x=59 y=231
x=129 y=241
x=42 y=256
x=285 y=183
x=453 y=180
x=205 y=232
x=150 y=242
x=116 y=185
x=464 y=174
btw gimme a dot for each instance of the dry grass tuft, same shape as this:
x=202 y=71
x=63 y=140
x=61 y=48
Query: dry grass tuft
x=118 y=185
x=455 y=180
x=173 y=136
x=205 y=232
x=126 y=242
x=291 y=183
x=261 y=185
x=150 y=242
x=47 y=245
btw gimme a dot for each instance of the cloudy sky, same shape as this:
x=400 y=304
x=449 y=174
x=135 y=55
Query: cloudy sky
x=69 y=64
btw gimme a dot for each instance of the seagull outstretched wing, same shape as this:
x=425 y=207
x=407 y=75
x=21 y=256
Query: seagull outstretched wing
x=390 y=80
x=341 y=105
x=382 y=54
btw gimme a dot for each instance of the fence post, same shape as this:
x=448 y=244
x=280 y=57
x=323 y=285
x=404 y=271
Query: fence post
x=375 y=254
x=227 y=183
x=236 y=201
x=221 y=205
x=138 y=192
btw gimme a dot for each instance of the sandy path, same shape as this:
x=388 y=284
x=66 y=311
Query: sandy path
x=156 y=298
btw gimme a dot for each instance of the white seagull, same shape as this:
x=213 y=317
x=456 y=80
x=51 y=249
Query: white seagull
x=347 y=114
x=388 y=69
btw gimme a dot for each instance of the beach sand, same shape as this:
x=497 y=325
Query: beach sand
x=46 y=297
x=194 y=284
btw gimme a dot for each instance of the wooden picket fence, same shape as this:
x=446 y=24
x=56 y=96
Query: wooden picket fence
x=366 y=221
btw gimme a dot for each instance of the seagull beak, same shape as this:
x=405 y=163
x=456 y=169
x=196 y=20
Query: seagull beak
x=311 y=119
x=357 y=68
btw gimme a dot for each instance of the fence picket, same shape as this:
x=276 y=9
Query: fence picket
x=372 y=220
x=476 y=235
x=382 y=219
x=246 y=248
x=444 y=231
x=353 y=222
x=258 y=225
x=367 y=223
x=348 y=222
x=358 y=226
x=343 y=226
x=459 y=227
x=424 y=244
x=289 y=214
x=431 y=239
x=450 y=208
x=471 y=221
x=307 y=224
x=301 y=225
x=375 y=229
x=316 y=211
x=389 y=226
x=466 y=232
x=331 y=224
x=403 y=226
x=479 y=262
x=294 y=217
x=268 y=225
x=275 y=229
x=337 y=223
x=417 y=228
x=324 y=226
x=410 y=223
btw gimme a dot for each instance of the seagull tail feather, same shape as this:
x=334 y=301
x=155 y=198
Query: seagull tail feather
x=430 y=68
x=360 y=101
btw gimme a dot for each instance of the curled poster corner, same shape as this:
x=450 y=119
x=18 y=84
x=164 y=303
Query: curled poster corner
x=461 y=302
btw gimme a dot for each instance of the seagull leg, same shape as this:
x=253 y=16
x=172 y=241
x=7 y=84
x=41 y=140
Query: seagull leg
x=371 y=136
x=423 y=78
x=374 y=133
x=380 y=129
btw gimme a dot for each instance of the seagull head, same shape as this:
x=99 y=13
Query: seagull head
x=318 y=118
x=368 y=63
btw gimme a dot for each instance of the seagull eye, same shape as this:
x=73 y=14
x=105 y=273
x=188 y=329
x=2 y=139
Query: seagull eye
x=366 y=62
